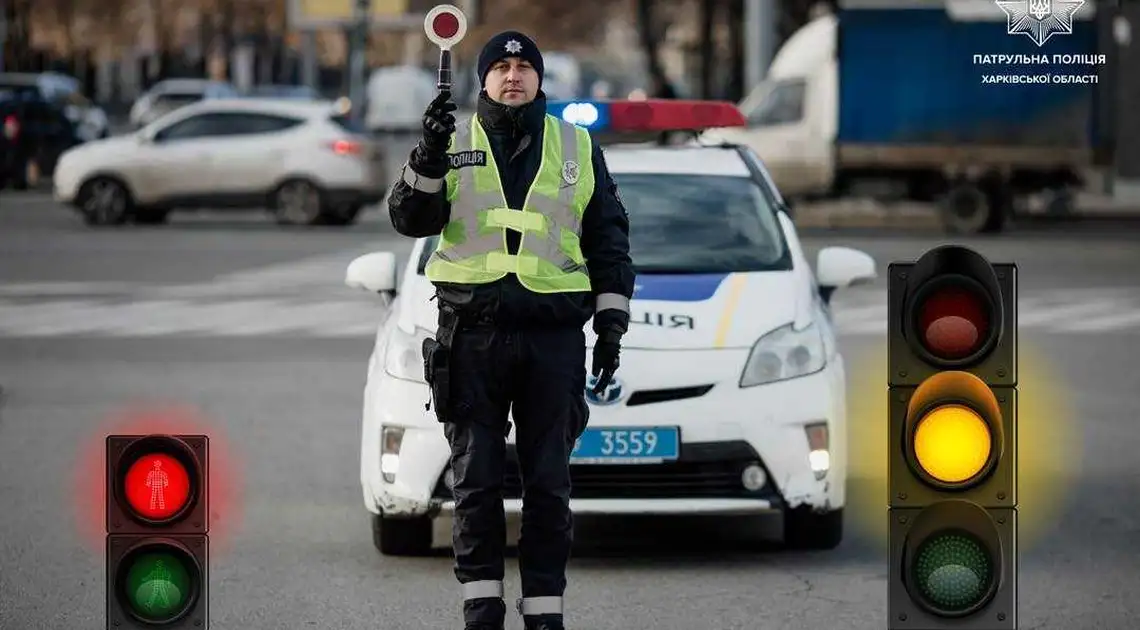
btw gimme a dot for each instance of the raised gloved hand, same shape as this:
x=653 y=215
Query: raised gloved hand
x=610 y=325
x=429 y=158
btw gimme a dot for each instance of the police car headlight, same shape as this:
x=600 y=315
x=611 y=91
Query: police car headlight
x=404 y=358
x=784 y=353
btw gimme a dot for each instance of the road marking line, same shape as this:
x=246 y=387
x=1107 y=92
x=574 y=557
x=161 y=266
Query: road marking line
x=36 y=289
x=1035 y=317
x=327 y=315
x=298 y=318
x=1101 y=324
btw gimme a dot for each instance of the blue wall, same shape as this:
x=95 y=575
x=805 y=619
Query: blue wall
x=908 y=77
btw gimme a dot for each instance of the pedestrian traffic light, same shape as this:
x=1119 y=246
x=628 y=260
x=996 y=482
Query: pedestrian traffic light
x=157 y=531
x=952 y=360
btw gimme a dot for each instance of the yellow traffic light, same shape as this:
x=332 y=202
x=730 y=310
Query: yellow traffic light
x=954 y=431
x=952 y=467
x=952 y=444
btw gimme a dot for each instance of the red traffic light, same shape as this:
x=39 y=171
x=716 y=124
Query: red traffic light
x=953 y=311
x=157 y=483
x=445 y=25
x=953 y=322
x=157 y=486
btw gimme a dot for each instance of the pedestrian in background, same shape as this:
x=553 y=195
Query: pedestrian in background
x=511 y=321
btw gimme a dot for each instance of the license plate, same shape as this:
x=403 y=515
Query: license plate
x=627 y=445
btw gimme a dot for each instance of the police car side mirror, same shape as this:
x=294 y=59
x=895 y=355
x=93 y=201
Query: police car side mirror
x=374 y=272
x=841 y=267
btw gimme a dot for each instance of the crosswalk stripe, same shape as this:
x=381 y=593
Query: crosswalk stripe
x=313 y=318
x=1101 y=324
x=36 y=289
x=1063 y=314
x=171 y=317
x=352 y=318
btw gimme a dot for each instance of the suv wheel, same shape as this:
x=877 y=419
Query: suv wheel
x=105 y=201
x=298 y=202
x=344 y=215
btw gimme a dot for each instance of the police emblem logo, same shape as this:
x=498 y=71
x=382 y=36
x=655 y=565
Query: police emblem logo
x=570 y=172
x=1040 y=19
x=513 y=46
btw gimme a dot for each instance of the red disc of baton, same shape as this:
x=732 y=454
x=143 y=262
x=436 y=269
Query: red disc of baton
x=445 y=25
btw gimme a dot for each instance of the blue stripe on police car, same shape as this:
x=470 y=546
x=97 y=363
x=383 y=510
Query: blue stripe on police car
x=678 y=288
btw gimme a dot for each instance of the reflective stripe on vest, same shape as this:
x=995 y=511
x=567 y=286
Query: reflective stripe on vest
x=473 y=245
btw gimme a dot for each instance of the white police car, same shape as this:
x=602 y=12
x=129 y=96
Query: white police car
x=730 y=398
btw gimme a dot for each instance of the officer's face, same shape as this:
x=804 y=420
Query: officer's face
x=512 y=81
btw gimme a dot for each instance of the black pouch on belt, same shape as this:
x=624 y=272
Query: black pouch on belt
x=437 y=362
x=438 y=376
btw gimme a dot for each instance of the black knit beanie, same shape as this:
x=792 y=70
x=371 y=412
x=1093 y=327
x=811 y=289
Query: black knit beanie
x=509 y=44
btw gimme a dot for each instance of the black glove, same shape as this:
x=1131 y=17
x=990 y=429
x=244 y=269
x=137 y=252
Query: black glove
x=610 y=325
x=429 y=158
x=606 y=352
x=439 y=123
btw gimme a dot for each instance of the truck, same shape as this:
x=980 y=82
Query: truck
x=898 y=100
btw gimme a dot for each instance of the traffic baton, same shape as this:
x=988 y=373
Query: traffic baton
x=445 y=25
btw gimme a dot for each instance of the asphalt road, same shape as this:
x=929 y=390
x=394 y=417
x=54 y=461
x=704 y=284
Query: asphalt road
x=247 y=324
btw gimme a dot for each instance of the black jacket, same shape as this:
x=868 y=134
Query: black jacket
x=516 y=141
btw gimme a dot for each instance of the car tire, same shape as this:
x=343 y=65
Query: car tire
x=402 y=536
x=105 y=201
x=150 y=216
x=344 y=215
x=805 y=528
x=298 y=202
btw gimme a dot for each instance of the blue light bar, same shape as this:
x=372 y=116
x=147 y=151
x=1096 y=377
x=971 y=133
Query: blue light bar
x=592 y=115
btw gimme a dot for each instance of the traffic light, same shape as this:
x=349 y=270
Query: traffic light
x=952 y=355
x=157 y=526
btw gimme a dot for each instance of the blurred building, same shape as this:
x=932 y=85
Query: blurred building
x=120 y=47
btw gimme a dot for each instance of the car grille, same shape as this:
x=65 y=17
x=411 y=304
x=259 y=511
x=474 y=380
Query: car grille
x=704 y=470
x=650 y=396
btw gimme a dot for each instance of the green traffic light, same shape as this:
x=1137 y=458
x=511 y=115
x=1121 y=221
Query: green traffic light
x=159 y=588
x=953 y=572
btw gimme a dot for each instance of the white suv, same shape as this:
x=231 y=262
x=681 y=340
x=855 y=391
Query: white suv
x=307 y=162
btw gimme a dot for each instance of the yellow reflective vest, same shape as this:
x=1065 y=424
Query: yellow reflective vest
x=472 y=248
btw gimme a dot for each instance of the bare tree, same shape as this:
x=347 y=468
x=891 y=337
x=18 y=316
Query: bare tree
x=653 y=22
x=555 y=24
x=707 y=46
x=17 y=46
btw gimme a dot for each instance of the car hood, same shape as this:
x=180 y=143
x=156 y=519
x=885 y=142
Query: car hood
x=679 y=312
x=106 y=148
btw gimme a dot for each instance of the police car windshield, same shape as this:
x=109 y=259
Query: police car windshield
x=690 y=224
x=700 y=224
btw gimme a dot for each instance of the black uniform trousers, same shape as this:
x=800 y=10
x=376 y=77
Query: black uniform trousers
x=540 y=375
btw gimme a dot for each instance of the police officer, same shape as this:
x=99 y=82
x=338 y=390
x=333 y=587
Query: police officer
x=534 y=241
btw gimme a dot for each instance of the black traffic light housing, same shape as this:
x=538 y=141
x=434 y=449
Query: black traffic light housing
x=183 y=535
x=188 y=450
x=191 y=549
x=994 y=529
x=995 y=361
x=958 y=525
x=995 y=486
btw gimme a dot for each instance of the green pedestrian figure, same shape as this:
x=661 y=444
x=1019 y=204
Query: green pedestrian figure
x=159 y=581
